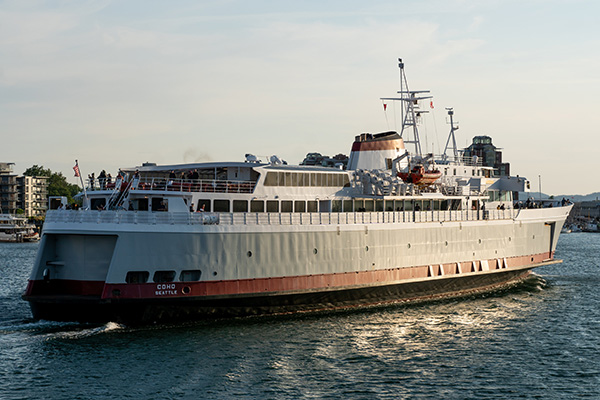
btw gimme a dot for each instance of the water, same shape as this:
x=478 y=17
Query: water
x=540 y=340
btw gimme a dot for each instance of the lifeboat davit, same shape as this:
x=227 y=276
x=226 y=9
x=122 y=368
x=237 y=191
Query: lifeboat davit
x=419 y=176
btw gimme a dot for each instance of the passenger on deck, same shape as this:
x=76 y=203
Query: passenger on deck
x=102 y=179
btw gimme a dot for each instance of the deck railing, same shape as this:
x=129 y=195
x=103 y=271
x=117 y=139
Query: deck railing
x=263 y=218
x=183 y=185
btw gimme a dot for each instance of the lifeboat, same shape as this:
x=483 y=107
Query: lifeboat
x=419 y=176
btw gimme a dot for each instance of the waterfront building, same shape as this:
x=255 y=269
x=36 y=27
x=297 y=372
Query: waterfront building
x=33 y=195
x=27 y=193
x=8 y=188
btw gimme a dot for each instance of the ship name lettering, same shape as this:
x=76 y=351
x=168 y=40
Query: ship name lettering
x=165 y=286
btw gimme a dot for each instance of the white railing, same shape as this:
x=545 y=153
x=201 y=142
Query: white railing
x=182 y=185
x=323 y=218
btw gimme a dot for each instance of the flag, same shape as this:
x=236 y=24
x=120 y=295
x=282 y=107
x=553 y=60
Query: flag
x=76 y=169
x=431 y=104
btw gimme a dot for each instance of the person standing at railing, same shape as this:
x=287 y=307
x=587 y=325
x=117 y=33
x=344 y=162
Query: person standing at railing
x=102 y=179
x=136 y=179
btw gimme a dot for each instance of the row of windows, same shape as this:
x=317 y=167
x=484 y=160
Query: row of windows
x=485 y=173
x=302 y=206
x=500 y=195
x=282 y=178
x=163 y=276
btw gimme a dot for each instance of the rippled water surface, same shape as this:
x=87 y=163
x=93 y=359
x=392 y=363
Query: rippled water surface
x=539 y=340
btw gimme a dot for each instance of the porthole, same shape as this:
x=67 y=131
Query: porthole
x=315 y=251
x=409 y=245
x=214 y=273
x=479 y=241
x=446 y=243
x=366 y=248
x=116 y=292
x=534 y=236
x=509 y=238
x=186 y=290
x=249 y=254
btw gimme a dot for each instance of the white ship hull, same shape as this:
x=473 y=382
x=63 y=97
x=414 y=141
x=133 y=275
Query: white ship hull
x=320 y=262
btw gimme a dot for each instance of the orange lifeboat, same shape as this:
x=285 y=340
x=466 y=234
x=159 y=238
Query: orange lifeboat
x=419 y=176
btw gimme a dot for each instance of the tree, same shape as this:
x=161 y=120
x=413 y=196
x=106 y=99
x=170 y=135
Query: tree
x=37 y=171
x=58 y=186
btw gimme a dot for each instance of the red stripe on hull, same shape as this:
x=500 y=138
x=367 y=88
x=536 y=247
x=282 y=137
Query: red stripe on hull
x=276 y=285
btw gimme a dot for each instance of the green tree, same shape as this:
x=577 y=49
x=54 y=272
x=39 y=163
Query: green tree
x=37 y=170
x=58 y=186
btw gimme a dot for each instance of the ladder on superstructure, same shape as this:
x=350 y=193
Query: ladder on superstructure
x=118 y=196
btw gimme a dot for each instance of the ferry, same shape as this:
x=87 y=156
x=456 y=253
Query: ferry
x=260 y=236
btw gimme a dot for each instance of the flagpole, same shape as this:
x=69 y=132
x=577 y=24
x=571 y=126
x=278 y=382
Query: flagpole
x=82 y=185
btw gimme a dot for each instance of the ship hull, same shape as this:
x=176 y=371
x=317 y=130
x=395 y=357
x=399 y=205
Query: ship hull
x=177 y=309
x=83 y=270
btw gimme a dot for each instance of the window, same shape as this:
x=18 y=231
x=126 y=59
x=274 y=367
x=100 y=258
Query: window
x=312 y=206
x=221 y=205
x=271 y=179
x=190 y=275
x=272 y=206
x=288 y=178
x=389 y=205
x=369 y=207
x=320 y=179
x=164 y=276
x=286 y=206
x=98 y=204
x=378 y=205
x=299 y=206
x=203 y=205
x=281 y=176
x=348 y=206
x=313 y=179
x=160 y=204
x=304 y=180
x=359 y=205
x=336 y=206
x=257 y=206
x=240 y=206
x=137 y=276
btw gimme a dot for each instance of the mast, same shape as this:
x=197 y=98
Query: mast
x=451 y=137
x=409 y=109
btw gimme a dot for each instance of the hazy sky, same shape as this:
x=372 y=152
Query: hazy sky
x=117 y=83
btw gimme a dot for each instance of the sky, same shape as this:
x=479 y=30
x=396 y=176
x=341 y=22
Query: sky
x=118 y=83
